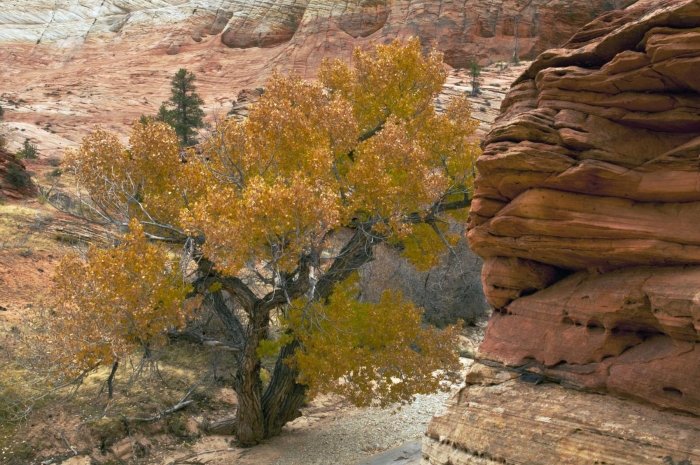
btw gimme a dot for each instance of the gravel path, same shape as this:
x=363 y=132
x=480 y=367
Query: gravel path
x=329 y=433
x=355 y=435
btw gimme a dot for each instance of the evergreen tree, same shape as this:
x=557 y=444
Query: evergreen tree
x=183 y=110
x=475 y=72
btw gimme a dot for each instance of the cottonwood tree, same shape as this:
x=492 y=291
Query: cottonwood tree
x=276 y=216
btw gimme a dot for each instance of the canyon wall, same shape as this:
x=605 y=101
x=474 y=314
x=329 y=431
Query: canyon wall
x=309 y=29
x=76 y=63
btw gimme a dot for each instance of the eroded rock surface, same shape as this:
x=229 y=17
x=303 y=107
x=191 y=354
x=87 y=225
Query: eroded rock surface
x=15 y=182
x=500 y=420
x=464 y=29
x=587 y=211
x=77 y=63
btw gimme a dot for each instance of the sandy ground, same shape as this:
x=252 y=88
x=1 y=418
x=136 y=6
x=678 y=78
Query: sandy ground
x=329 y=433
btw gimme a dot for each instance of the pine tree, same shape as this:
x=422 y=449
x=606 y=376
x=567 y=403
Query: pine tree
x=183 y=110
x=475 y=72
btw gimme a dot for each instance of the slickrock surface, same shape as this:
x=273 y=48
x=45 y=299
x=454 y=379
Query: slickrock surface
x=77 y=63
x=496 y=421
x=587 y=211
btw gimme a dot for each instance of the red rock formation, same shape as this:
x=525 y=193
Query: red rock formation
x=482 y=30
x=77 y=63
x=587 y=211
x=15 y=182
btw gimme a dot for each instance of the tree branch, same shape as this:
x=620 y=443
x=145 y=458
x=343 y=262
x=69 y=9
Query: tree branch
x=197 y=338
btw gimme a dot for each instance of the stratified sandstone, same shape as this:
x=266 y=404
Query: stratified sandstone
x=587 y=211
x=499 y=420
x=465 y=30
x=78 y=63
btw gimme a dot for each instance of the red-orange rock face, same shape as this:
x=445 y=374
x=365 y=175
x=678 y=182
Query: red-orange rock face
x=15 y=182
x=587 y=211
x=77 y=63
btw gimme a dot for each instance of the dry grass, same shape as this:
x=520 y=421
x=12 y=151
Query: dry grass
x=22 y=227
x=86 y=420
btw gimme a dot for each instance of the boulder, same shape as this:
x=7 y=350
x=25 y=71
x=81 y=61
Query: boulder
x=15 y=182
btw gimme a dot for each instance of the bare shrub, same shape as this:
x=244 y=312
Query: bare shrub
x=450 y=291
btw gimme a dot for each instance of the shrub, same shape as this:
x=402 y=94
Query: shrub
x=16 y=176
x=448 y=292
x=28 y=151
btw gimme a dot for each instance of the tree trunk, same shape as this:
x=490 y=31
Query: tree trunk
x=250 y=425
x=284 y=396
x=260 y=417
x=110 y=380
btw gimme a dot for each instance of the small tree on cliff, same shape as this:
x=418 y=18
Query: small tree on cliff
x=183 y=110
x=359 y=157
x=475 y=73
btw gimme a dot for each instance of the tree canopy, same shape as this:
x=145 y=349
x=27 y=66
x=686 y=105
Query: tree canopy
x=277 y=214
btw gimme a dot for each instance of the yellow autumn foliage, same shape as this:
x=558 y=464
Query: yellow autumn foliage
x=111 y=302
x=369 y=352
x=362 y=148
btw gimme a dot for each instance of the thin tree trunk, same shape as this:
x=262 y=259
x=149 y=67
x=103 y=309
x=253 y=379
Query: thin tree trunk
x=110 y=380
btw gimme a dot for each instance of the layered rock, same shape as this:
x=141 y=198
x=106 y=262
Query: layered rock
x=499 y=420
x=464 y=30
x=587 y=211
x=77 y=63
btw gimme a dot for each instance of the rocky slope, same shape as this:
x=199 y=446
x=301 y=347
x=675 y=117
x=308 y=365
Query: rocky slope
x=76 y=63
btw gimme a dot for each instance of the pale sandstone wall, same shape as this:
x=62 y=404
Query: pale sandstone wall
x=308 y=29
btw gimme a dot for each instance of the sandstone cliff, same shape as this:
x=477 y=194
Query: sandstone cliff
x=464 y=29
x=77 y=63
x=587 y=211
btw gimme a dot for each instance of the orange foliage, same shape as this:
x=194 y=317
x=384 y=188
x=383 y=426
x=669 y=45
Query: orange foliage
x=111 y=302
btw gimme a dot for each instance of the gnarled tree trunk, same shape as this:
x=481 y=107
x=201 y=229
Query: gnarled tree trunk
x=250 y=424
